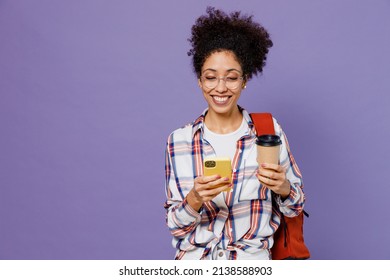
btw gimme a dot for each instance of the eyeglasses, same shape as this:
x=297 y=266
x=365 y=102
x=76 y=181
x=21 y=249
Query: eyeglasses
x=231 y=82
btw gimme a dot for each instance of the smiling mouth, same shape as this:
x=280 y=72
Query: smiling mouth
x=220 y=100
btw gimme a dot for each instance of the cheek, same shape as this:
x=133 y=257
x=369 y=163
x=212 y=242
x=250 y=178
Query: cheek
x=237 y=94
x=205 y=95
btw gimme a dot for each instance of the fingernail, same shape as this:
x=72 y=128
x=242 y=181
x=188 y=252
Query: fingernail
x=263 y=165
x=226 y=179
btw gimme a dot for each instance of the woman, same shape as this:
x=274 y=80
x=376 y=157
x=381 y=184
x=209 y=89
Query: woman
x=209 y=216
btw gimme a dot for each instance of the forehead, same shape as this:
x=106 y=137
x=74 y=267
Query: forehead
x=221 y=61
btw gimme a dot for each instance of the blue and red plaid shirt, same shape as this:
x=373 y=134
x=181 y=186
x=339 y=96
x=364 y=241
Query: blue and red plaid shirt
x=240 y=222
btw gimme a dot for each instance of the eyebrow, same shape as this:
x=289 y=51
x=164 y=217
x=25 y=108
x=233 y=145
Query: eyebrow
x=229 y=70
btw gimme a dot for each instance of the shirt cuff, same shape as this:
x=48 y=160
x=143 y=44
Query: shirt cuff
x=186 y=214
x=293 y=198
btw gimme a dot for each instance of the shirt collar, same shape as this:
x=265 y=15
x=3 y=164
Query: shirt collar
x=199 y=122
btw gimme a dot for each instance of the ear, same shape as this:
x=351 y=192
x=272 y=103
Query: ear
x=244 y=82
x=199 y=83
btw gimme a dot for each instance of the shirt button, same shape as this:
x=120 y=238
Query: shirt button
x=240 y=151
x=220 y=254
x=234 y=170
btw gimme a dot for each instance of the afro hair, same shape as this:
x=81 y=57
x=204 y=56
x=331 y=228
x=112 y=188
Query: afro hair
x=218 y=31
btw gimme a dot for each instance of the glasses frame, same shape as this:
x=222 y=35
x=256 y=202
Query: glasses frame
x=202 y=78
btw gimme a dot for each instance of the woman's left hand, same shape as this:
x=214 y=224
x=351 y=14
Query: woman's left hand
x=273 y=176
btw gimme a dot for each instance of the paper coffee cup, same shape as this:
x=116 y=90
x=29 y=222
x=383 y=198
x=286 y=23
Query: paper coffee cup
x=268 y=148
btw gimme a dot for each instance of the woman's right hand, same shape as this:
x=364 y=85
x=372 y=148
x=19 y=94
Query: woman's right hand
x=205 y=189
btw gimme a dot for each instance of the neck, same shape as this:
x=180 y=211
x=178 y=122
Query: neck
x=223 y=123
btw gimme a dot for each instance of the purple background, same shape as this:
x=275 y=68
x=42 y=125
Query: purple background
x=90 y=90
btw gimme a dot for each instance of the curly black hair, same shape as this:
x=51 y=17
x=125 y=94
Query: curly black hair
x=217 y=31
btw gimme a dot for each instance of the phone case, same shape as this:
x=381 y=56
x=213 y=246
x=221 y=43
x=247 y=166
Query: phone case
x=218 y=166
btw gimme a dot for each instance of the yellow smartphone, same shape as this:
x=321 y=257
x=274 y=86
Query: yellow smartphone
x=218 y=166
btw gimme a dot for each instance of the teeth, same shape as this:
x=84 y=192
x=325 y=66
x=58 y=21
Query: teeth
x=220 y=99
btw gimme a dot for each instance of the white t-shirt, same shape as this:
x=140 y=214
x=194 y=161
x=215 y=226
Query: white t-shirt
x=224 y=145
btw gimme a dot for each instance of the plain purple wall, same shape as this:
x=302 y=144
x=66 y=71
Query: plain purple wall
x=90 y=90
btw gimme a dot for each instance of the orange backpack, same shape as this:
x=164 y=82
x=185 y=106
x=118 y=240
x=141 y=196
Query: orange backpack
x=288 y=238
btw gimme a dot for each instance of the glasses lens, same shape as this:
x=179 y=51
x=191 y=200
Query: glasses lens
x=210 y=82
x=230 y=82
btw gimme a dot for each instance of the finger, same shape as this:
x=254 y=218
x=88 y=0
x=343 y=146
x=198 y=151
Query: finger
x=275 y=167
x=207 y=179
x=213 y=192
x=220 y=182
x=267 y=186
x=265 y=173
x=223 y=188
x=271 y=174
x=266 y=180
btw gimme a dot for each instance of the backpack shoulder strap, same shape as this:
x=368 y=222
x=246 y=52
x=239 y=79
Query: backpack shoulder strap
x=263 y=122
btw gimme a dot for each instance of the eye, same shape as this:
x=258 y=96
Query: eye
x=210 y=78
x=232 y=79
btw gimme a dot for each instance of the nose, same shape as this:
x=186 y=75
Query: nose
x=221 y=86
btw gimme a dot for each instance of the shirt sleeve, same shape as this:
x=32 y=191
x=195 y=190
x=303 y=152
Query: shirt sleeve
x=181 y=218
x=294 y=203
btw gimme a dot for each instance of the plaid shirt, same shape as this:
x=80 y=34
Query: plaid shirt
x=242 y=221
